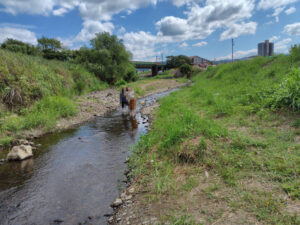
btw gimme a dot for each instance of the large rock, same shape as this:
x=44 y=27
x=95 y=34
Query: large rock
x=20 y=152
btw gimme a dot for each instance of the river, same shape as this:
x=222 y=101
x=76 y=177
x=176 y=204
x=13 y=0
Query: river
x=74 y=175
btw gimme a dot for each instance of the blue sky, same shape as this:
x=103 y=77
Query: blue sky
x=150 y=28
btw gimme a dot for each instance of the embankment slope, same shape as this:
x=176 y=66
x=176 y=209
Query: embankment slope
x=223 y=151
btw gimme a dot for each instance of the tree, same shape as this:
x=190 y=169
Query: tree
x=19 y=46
x=107 y=58
x=49 y=44
x=177 y=61
x=186 y=70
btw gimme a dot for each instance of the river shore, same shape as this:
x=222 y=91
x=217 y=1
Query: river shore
x=97 y=104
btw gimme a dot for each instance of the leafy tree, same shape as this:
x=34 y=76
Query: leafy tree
x=177 y=61
x=186 y=70
x=107 y=58
x=19 y=46
x=49 y=44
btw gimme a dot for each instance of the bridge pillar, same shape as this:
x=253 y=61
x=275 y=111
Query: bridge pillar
x=154 y=70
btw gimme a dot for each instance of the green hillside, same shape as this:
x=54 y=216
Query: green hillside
x=34 y=92
x=239 y=123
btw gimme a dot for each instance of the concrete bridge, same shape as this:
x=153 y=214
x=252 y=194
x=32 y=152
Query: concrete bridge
x=154 y=66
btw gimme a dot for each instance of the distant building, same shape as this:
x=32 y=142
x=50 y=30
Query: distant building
x=266 y=48
x=201 y=62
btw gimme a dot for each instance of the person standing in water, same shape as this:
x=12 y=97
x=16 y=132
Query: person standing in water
x=132 y=102
x=123 y=100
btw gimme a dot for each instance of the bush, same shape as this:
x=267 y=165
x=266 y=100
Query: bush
x=120 y=83
x=295 y=54
x=287 y=93
x=186 y=69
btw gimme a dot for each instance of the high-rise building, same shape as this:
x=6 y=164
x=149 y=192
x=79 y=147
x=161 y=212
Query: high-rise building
x=266 y=48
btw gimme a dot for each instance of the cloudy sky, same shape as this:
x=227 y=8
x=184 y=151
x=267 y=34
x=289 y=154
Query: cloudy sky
x=150 y=28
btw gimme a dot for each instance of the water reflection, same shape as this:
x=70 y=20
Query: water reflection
x=74 y=176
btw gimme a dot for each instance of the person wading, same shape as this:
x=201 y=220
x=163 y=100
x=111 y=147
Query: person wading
x=132 y=102
x=123 y=100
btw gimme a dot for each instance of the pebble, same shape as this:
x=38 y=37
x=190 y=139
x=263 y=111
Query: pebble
x=128 y=197
x=206 y=174
x=131 y=190
x=111 y=219
x=23 y=142
x=117 y=202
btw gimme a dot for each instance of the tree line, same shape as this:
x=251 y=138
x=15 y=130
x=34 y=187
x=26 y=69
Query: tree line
x=107 y=57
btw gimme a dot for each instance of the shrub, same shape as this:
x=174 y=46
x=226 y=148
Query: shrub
x=287 y=93
x=295 y=54
x=186 y=69
x=120 y=83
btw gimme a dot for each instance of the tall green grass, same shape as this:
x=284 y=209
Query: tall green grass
x=43 y=114
x=45 y=91
x=241 y=94
x=35 y=77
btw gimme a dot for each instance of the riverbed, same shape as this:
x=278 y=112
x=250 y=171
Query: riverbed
x=74 y=175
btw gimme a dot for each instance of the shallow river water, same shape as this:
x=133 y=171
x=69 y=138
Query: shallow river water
x=74 y=175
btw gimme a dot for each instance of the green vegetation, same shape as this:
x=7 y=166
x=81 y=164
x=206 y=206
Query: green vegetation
x=177 y=61
x=239 y=122
x=35 y=92
x=107 y=58
x=186 y=70
x=19 y=46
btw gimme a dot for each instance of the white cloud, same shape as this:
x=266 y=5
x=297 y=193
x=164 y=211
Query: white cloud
x=202 y=21
x=290 y=10
x=172 y=26
x=183 y=45
x=89 y=9
x=292 y=29
x=273 y=4
x=276 y=13
x=283 y=46
x=20 y=34
x=141 y=44
x=200 y=44
x=121 y=31
x=274 y=38
x=237 y=30
x=277 y=5
x=180 y=3
x=239 y=54
x=14 y=7
x=90 y=28
x=105 y=9
x=60 y=11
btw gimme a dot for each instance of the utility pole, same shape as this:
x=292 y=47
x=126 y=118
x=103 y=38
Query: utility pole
x=232 y=48
x=162 y=58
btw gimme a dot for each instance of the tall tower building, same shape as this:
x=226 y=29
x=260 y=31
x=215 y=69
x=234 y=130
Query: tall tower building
x=265 y=48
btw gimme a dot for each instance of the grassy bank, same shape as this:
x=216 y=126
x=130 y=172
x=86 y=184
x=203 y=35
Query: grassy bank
x=36 y=92
x=227 y=149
